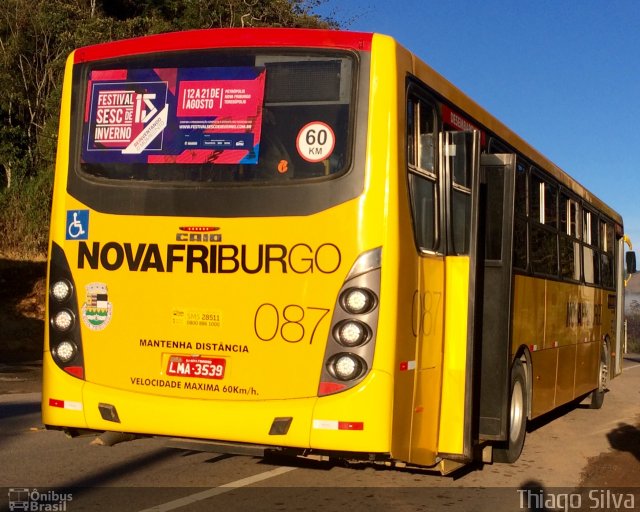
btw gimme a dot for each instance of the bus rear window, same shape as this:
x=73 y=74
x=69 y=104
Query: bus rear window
x=216 y=117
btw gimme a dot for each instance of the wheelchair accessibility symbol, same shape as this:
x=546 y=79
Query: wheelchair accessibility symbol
x=77 y=225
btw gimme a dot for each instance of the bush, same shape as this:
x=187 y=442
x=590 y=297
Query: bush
x=24 y=221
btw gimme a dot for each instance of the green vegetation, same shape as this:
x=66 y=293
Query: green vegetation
x=36 y=36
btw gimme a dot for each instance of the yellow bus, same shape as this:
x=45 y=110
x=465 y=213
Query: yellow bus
x=310 y=242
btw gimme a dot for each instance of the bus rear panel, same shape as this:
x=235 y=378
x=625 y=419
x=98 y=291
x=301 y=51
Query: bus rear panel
x=211 y=275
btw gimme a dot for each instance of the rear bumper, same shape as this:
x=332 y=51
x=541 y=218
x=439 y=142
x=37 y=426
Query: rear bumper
x=357 y=420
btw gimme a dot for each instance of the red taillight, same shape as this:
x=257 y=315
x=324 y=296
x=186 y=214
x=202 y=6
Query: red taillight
x=76 y=371
x=328 y=388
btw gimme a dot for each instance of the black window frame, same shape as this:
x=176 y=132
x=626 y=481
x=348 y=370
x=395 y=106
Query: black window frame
x=538 y=226
x=566 y=197
x=417 y=175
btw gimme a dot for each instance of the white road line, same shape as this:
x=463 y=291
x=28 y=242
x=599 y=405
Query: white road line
x=216 y=491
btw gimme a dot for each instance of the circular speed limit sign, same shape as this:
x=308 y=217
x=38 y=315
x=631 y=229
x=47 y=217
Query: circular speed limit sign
x=315 y=142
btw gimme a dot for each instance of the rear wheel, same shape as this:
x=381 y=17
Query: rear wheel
x=517 y=417
x=597 y=395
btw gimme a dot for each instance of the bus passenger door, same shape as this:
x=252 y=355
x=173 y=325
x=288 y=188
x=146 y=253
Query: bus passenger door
x=418 y=392
x=495 y=253
x=460 y=158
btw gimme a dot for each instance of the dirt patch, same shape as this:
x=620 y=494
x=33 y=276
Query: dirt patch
x=619 y=467
x=22 y=297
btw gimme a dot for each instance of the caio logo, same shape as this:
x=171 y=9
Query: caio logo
x=198 y=234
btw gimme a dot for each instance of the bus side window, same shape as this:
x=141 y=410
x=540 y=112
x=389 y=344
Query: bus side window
x=607 y=241
x=494 y=209
x=423 y=204
x=591 y=261
x=520 y=243
x=570 y=261
x=423 y=177
x=457 y=163
x=544 y=227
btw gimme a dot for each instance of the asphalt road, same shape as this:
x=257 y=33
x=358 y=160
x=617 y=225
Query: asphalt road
x=41 y=470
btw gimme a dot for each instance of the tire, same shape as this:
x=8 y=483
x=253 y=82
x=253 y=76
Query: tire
x=517 y=429
x=597 y=395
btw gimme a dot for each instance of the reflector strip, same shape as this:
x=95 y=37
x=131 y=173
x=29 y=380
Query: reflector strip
x=338 y=425
x=65 y=404
x=56 y=403
x=325 y=425
x=350 y=425
x=407 y=365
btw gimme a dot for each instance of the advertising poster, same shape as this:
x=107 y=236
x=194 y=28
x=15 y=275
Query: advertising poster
x=174 y=115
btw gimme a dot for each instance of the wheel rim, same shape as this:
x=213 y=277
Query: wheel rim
x=604 y=376
x=517 y=411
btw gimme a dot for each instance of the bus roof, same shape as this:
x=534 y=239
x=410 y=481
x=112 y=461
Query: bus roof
x=227 y=38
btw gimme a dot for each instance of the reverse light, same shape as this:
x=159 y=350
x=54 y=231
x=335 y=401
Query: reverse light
x=65 y=351
x=61 y=290
x=358 y=301
x=352 y=333
x=351 y=340
x=63 y=320
x=347 y=366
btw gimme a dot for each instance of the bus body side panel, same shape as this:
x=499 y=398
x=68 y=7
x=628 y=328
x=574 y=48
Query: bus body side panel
x=561 y=335
x=528 y=312
x=562 y=326
x=407 y=440
x=429 y=306
x=588 y=357
x=454 y=371
x=590 y=332
x=566 y=374
x=528 y=330
x=544 y=365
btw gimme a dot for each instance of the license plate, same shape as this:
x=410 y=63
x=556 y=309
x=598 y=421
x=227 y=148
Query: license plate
x=194 y=366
